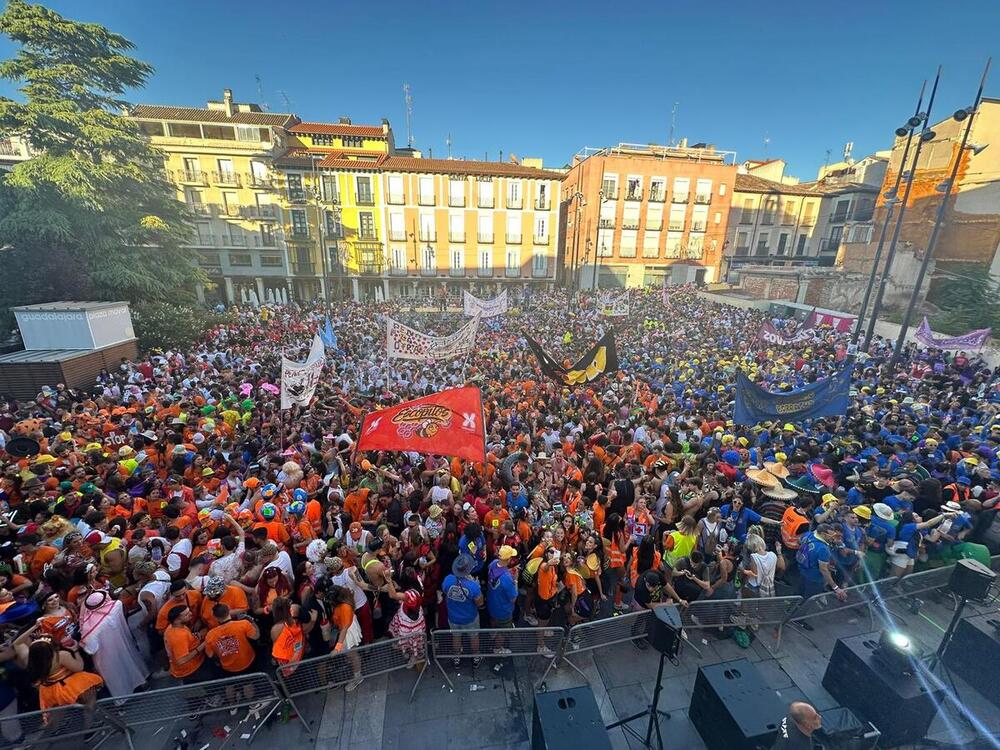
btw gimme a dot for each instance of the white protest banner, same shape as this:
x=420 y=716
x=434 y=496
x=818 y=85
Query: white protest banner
x=488 y=308
x=615 y=306
x=404 y=342
x=299 y=379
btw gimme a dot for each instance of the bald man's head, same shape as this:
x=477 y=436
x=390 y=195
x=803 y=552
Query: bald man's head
x=806 y=718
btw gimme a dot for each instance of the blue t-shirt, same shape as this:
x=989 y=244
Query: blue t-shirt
x=898 y=503
x=474 y=548
x=461 y=595
x=740 y=521
x=880 y=534
x=501 y=592
x=812 y=551
x=516 y=502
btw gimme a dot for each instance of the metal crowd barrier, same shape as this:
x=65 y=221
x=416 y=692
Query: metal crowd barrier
x=749 y=613
x=339 y=668
x=54 y=725
x=497 y=643
x=862 y=595
x=256 y=692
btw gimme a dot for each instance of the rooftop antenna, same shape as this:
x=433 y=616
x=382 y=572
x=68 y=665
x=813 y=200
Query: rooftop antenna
x=673 y=123
x=409 y=114
x=260 y=92
x=826 y=162
x=286 y=100
x=767 y=142
x=848 y=148
x=447 y=142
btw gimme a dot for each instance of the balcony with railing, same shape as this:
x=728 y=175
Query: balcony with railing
x=456 y=201
x=787 y=219
x=296 y=195
x=539 y=272
x=657 y=194
x=679 y=197
x=365 y=199
x=262 y=182
x=398 y=270
x=675 y=225
x=231 y=212
x=260 y=213
x=484 y=272
x=226 y=179
x=234 y=240
x=634 y=195
x=203 y=210
x=630 y=224
x=541 y=239
x=427 y=235
x=485 y=236
x=864 y=213
x=606 y=223
x=486 y=202
x=743 y=250
x=838 y=217
x=514 y=202
x=702 y=199
x=397 y=235
x=303 y=269
x=425 y=271
x=456 y=236
x=654 y=225
x=513 y=239
x=456 y=273
x=425 y=199
x=698 y=226
x=542 y=204
x=610 y=195
x=830 y=245
x=512 y=273
x=297 y=234
x=396 y=199
x=191 y=176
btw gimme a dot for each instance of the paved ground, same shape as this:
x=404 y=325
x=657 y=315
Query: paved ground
x=497 y=714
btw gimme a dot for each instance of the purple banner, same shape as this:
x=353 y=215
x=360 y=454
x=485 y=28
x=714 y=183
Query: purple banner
x=768 y=334
x=971 y=340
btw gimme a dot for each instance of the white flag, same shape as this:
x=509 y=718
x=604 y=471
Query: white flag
x=615 y=306
x=299 y=379
x=404 y=342
x=488 y=308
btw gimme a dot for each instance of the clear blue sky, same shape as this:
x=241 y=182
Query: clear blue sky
x=548 y=78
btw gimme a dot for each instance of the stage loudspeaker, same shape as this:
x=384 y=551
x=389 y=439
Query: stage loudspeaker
x=845 y=731
x=568 y=720
x=970 y=579
x=974 y=655
x=900 y=706
x=665 y=629
x=733 y=708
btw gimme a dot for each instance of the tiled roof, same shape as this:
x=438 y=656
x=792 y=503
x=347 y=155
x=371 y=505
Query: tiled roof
x=836 y=187
x=324 y=128
x=195 y=114
x=748 y=183
x=462 y=166
x=299 y=158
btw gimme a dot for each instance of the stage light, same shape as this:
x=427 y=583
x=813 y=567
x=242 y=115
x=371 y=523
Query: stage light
x=895 y=651
x=898 y=640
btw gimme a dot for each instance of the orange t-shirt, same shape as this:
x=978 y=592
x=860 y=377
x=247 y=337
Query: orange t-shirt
x=230 y=644
x=355 y=503
x=193 y=601
x=343 y=616
x=179 y=642
x=36 y=563
x=277 y=532
x=494 y=519
x=233 y=596
x=547 y=582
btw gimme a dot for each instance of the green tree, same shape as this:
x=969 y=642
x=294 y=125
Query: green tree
x=161 y=325
x=92 y=215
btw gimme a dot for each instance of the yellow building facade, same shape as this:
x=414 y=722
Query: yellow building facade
x=220 y=158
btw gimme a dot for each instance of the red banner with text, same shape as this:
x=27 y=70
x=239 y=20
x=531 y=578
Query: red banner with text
x=449 y=423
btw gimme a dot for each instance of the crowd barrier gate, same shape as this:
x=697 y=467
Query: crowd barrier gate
x=39 y=728
x=497 y=643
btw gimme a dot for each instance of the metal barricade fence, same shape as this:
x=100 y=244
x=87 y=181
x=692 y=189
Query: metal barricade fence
x=53 y=725
x=862 y=595
x=497 y=643
x=749 y=613
x=922 y=582
x=339 y=668
x=255 y=691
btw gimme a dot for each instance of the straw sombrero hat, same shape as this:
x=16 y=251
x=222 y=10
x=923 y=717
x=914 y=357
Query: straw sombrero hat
x=780 y=493
x=763 y=477
x=778 y=469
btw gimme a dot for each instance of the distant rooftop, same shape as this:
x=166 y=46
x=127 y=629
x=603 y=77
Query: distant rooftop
x=696 y=152
x=748 y=183
x=68 y=306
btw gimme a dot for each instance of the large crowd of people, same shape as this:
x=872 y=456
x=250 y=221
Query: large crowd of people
x=172 y=524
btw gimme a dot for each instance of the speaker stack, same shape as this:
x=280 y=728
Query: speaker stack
x=568 y=720
x=733 y=708
x=899 y=705
x=970 y=579
x=974 y=654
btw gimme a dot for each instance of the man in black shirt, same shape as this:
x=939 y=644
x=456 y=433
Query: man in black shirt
x=622 y=492
x=796 y=729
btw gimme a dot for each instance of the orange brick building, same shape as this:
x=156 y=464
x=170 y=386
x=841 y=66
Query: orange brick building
x=641 y=215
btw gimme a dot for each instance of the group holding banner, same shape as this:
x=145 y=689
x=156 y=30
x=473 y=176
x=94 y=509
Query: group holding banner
x=487 y=308
x=299 y=379
x=403 y=342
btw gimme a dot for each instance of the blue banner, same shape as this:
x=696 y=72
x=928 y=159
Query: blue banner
x=328 y=337
x=827 y=398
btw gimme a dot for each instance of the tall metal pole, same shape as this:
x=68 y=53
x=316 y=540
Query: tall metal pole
x=899 y=221
x=318 y=195
x=938 y=221
x=890 y=205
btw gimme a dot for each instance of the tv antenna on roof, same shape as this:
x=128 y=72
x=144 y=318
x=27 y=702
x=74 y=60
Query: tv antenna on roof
x=409 y=114
x=767 y=142
x=447 y=142
x=286 y=100
x=673 y=123
x=260 y=92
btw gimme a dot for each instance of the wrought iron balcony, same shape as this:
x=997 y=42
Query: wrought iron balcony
x=226 y=179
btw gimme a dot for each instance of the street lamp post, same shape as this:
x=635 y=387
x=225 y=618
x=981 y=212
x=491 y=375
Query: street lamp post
x=968 y=114
x=891 y=198
x=926 y=134
x=318 y=196
x=595 y=282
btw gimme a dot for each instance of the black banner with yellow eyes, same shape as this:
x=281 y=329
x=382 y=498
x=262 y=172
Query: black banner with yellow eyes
x=601 y=359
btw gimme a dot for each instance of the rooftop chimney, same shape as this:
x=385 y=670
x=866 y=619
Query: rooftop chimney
x=344 y=121
x=227 y=101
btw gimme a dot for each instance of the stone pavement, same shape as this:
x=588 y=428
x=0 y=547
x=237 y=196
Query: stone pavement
x=497 y=714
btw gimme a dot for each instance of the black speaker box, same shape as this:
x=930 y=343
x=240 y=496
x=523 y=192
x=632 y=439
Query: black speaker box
x=568 y=720
x=842 y=730
x=974 y=654
x=970 y=579
x=665 y=629
x=733 y=708
x=899 y=706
